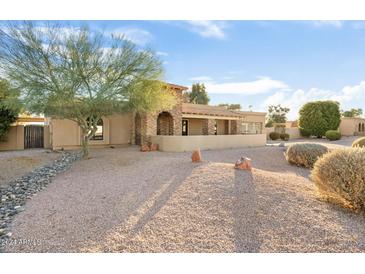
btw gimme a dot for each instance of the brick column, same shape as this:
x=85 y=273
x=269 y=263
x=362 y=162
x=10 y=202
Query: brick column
x=236 y=127
x=233 y=127
x=209 y=126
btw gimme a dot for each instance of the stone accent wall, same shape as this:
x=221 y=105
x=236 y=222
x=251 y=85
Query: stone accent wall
x=233 y=127
x=149 y=121
x=236 y=127
x=165 y=124
x=209 y=126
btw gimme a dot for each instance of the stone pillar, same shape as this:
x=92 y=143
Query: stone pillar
x=233 y=127
x=236 y=127
x=209 y=126
x=176 y=113
x=149 y=125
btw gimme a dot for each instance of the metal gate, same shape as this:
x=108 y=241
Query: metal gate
x=33 y=136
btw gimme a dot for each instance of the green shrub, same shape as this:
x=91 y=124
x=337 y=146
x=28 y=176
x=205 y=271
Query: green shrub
x=304 y=132
x=284 y=136
x=305 y=154
x=333 y=135
x=320 y=116
x=359 y=142
x=340 y=176
x=274 y=135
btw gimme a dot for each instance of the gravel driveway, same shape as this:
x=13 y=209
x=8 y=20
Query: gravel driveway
x=123 y=200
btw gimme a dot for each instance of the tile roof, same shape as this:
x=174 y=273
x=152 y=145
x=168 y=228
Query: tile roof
x=208 y=110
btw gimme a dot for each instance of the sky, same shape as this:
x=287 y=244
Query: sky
x=257 y=63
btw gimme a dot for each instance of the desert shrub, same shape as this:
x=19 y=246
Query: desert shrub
x=284 y=136
x=305 y=154
x=359 y=142
x=333 y=135
x=274 y=135
x=320 y=116
x=340 y=176
x=304 y=132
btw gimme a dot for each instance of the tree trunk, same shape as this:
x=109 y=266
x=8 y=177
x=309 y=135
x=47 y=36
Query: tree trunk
x=85 y=146
x=88 y=132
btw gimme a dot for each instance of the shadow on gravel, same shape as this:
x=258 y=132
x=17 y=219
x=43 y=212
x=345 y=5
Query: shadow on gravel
x=246 y=221
x=162 y=199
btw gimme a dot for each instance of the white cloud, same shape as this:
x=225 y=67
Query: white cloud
x=328 y=23
x=137 y=36
x=201 y=79
x=162 y=53
x=260 y=86
x=294 y=100
x=208 y=29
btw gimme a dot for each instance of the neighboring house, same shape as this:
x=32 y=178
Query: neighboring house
x=183 y=128
x=289 y=127
x=351 y=126
x=27 y=132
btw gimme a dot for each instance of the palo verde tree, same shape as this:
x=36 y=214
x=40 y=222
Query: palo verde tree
x=276 y=114
x=10 y=106
x=81 y=75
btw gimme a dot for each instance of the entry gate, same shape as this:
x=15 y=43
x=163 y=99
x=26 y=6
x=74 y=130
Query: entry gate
x=33 y=136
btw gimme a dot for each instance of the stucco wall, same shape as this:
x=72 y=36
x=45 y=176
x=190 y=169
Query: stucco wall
x=120 y=129
x=14 y=139
x=46 y=137
x=258 y=118
x=205 y=142
x=350 y=126
x=67 y=134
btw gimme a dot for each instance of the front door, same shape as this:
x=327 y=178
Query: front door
x=185 y=127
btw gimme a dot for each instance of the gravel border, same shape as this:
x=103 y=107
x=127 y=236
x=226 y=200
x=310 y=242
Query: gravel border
x=14 y=196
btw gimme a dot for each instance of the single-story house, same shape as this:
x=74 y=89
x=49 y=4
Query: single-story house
x=351 y=126
x=185 y=127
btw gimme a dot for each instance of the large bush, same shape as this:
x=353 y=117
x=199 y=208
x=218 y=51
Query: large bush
x=340 y=176
x=304 y=132
x=284 y=136
x=333 y=135
x=315 y=118
x=9 y=107
x=359 y=142
x=274 y=135
x=305 y=154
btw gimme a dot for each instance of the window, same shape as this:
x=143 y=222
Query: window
x=99 y=134
x=185 y=127
x=251 y=128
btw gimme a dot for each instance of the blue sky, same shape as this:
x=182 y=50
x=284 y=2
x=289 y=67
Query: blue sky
x=258 y=62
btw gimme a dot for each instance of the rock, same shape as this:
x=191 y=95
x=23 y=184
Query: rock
x=14 y=196
x=243 y=163
x=196 y=156
x=145 y=148
x=153 y=147
x=281 y=144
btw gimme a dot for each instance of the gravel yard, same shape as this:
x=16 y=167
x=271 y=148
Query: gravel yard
x=123 y=200
x=14 y=164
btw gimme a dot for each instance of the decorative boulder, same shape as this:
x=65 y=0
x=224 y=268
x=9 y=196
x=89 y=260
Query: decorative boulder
x=196 y=156
x=145 y=148
x=153 y=147
x=243 y=163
